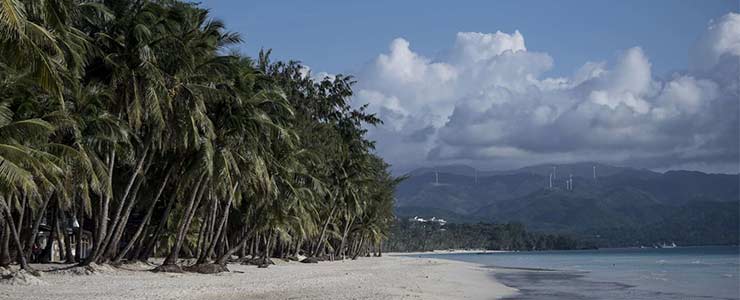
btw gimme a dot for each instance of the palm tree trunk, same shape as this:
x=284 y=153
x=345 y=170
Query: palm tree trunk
x=114 y=228
x=298 y=247
x=144 y=222
x=185 y=223
x=268 y=246
x=202 y=235
x=242 y=252
x=101 y=224
x=358 y=248
x=352 y=246
x=113 y=245
x=16 y=239
x=37 y=224
x=59 y=234
x=21 y=216
x=225 y=257
x=211 y=232
x=70 y=258
x=210 y=224
x=80 y=234
x=347 y=225
x=320 y=245
x=257 y=244
x=136 y=255
x=64 y=239
x=48 y=251
x=149 y=248
x=5 y=259
x=223 y=244
x=222 y=224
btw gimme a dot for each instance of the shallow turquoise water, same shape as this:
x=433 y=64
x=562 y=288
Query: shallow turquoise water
x=678 y=273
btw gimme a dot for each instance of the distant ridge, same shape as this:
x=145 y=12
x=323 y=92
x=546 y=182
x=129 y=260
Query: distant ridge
x=582 y=169
x=449 y=169
x=619 y=197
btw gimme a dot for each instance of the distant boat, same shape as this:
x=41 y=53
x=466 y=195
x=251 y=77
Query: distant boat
x=666 y=246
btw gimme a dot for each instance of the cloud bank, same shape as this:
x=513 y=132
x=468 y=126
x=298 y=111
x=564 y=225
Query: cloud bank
x=486 y=102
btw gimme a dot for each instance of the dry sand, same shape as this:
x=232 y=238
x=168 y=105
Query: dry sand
x=389 y=277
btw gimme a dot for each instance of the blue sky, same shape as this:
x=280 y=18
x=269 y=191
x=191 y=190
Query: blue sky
x=339 y=36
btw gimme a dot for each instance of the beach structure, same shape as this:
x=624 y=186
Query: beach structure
x=56 y=238
x=430 y=220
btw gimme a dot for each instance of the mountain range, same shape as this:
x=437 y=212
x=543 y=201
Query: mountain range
x=614 y=206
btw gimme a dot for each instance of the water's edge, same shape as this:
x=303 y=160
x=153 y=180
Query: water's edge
x=548 y=281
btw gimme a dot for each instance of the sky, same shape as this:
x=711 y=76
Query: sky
x=505 y=84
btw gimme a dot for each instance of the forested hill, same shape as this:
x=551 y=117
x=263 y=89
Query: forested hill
x=619 y=207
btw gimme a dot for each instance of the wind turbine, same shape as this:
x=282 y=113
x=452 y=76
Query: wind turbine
x=594 y=172
x=554 y=172
x=570 y=182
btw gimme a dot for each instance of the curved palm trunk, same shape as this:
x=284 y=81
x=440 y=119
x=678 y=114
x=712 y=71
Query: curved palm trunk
x=24 y=203
x=358 y=249
x=185 y=223
x=36 y=225
x=59 y=233
x=221 y=235
x=149 y=247
x=102 y=221
x=242 y=243
x=79 y=234
x=114 y=228
x=298 y=247
x=320 y=245
x=268 y=246
x=222 y=224
x=343 y=243
x=140 y=244
x=14 y=234
x=144 y=222
x=113 y=245
x=202 y=233
x=69 y=258
x=5 y=245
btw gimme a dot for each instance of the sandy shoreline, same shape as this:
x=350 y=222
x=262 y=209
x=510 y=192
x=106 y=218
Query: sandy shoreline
x=389 y=277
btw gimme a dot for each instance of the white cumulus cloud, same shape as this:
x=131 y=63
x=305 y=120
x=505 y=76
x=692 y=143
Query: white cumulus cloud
x=486 y=102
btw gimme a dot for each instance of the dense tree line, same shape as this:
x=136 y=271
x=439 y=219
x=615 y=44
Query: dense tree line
x=137 y=121
x=717 y=224
x=412 y=236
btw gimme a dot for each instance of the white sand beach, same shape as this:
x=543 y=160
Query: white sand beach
x=389 y=277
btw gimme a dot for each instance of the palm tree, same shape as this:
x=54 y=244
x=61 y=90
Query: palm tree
x=40 y=39
x=26 y=171
x=106 y=108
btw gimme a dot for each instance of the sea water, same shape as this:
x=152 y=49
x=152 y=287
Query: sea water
x=674 y=273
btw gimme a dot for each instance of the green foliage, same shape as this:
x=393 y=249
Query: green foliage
x=412 y=236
